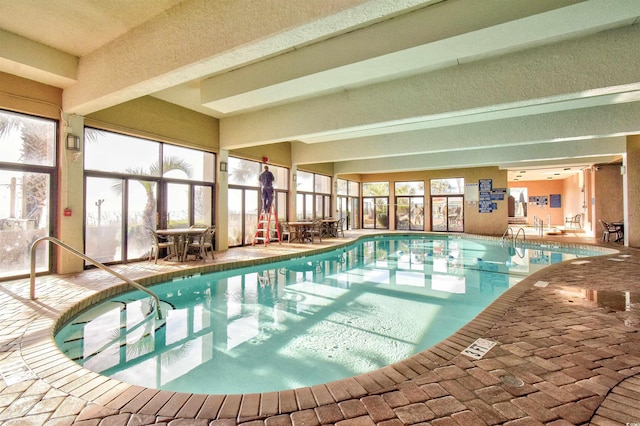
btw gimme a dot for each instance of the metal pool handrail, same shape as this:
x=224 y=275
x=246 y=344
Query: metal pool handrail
x=88 y=259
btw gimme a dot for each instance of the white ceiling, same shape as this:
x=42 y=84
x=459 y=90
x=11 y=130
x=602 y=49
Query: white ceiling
x=337 y=77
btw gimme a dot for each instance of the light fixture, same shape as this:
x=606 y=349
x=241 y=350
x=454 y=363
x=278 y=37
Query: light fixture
x=223 y=166
x=73 y=142
x=293 y=177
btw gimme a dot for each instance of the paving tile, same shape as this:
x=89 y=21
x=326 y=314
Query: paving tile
x=352 y=408
x=329 y=414
x=573 y=413
x=484 y=412
x=377 y=408
x=358 y=421
x=414 y=413
x=445 y=406
x=305 y=418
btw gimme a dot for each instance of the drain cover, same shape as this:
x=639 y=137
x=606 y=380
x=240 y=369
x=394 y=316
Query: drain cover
x=512 y=381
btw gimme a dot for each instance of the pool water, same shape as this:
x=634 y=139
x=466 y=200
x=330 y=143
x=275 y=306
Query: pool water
x=301 y=322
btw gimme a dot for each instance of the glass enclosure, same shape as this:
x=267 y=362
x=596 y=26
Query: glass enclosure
x=27 y=181
x=155 y=185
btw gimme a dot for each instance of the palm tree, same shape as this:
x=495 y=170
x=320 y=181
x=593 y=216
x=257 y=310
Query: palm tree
x=169 y=164
x=36 y=149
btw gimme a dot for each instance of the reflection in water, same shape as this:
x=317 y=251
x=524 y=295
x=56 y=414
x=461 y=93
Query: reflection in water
x=300 y=322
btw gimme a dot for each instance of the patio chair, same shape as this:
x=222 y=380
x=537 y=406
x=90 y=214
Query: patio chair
x=608 y=229
x=286 y=230
x=340 y=227
x=158 y=243
x=573 y=221
x=316 y=229
x=201 y=245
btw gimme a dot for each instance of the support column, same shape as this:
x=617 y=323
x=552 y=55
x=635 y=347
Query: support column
x=293 y=193
x=631 y=179
x=70 y=196
x=222 y=205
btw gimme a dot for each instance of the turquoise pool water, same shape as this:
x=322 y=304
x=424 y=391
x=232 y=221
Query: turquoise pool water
x=301 y=322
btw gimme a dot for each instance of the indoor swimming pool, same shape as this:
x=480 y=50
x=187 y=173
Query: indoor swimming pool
x=303 y=321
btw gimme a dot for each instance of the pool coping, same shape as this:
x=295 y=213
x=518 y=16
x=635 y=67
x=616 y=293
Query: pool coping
x=45 y=359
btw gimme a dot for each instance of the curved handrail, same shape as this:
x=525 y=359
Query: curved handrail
x=88 y=259
x=506 y=233
x=524 y=235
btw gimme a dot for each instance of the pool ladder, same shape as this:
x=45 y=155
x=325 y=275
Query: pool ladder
x=514 y=238
x=88 y=259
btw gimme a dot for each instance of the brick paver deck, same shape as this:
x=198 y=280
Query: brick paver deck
x=563 y=357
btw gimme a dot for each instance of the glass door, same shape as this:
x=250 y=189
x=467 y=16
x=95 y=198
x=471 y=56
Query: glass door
x=447 y=213
x=243 y=215
x=409 y=213
x=251 y=197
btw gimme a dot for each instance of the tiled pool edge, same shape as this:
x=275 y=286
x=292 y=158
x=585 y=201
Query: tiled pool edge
x=70 y=378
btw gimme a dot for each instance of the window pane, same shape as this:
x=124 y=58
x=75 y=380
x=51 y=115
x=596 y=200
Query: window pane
x=244 y=172
x=375 y=188
x=409 y=188
x=177 y=205
x=304 y=181
x=447 y=186
x=185 y=163
x=354 y=189
x=323 y=184
x=308 y=206
x=319 y=207
x=282 y=177
x=343 y=187
x=203 y=205
x=103 y=219
x=27 y=140
x=24 y=217
x=234 y=211
x=299 y=206
x=113 y=152
x=141 y=214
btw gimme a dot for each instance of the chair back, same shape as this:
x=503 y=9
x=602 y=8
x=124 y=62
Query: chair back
x=208 y=235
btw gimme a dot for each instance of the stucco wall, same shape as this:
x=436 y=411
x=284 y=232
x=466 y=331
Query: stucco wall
x=632 y=223
x=608 y=193
x=494 y=223
x=160 y=120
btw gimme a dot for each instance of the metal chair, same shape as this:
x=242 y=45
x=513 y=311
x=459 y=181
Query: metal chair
x=608 y=229
x=340 y=227
x=316 y=229
x=158 y=243
x=201 y=245
x=573 y=220
x=286 y=230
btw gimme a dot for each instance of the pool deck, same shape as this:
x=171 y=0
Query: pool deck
x=560 y=359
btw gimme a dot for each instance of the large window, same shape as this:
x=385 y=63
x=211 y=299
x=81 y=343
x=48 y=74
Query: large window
x=375 y=205
x=244 y=198
x=155 y=185
x=27 y=171
x=410 y=205
x=447 y=204
x=313 y=196
x=348 y=199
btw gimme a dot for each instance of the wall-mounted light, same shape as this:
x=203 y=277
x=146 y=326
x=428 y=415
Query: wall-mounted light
x=223 y=166
x=73 y=142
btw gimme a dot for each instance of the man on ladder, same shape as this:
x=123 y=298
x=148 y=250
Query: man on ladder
x=263 y=232
x=266 y=181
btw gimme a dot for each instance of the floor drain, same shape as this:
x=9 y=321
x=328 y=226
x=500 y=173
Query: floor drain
x=512 y=381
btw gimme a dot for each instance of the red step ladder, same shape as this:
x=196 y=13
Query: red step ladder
x=265 y=232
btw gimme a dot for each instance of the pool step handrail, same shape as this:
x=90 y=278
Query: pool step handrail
x=524 y=235
x=88 y=259
x=506 y=233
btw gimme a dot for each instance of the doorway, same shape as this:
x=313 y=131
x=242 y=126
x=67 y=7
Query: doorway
x=447 y=213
